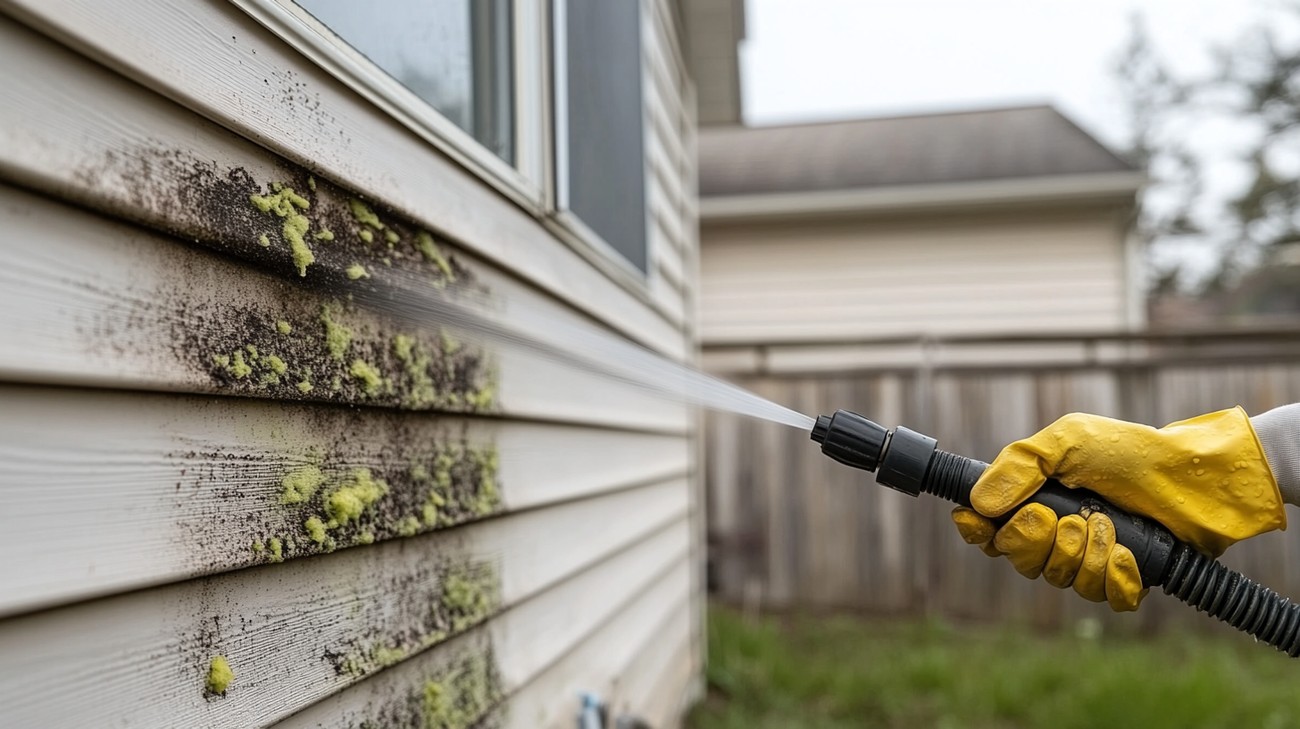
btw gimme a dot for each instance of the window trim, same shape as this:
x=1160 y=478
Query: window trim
x=524 y=182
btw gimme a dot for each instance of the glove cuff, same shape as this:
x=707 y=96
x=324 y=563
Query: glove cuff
x=1278 y=431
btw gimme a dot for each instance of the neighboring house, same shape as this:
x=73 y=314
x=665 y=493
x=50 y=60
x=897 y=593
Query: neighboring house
x=232 y=495
x=990 y=222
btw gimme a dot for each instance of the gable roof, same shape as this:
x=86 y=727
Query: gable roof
x=991 y=144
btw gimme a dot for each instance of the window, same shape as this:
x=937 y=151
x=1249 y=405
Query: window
x=600 y=166
x=453 y=54
x=549 y=113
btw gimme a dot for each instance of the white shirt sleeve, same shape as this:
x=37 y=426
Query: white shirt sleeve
x=1279 y=433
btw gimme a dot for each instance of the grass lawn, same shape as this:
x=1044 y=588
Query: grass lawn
x=850 y=672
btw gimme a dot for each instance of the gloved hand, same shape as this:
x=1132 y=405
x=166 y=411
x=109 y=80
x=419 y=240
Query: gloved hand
x=1206 y=479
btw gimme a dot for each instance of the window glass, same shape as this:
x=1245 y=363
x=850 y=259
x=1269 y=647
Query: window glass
x=453 y=54
x=605 y=150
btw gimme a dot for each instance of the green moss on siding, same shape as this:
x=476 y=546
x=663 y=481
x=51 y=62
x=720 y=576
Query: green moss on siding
x=356 y=494
x=287 y=204
x=238 y=367
x=219 y=676
x=315 y=529
x=416 y=363
x=337 y=336
x=433 y=254
x=460 y=695
x=364 y=215
x=366 y=373
x=465 y=594
x=398 y=495
x=300 y=484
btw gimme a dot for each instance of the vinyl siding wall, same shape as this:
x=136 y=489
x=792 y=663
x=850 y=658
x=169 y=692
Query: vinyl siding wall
x=844 y=279
x=536 y=534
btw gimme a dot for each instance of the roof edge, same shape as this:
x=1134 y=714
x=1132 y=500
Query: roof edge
x=1073 y=188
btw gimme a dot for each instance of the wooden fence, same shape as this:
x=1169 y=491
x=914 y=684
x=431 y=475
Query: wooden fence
x=789 y=528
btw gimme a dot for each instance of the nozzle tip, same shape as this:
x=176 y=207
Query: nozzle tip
x=821 y=427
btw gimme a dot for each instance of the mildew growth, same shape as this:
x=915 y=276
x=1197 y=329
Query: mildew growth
x=238 y=368
x=362 y=213
x=288 y=205
x=356 y=271
x=369 y=377
x=433 y=254
x=461 y=693
x=356 y=494
x=328 y=504
x=228 y=210
x=337 y=336
x=287 y=354
x=300 y=484
x=219 y=676
x=454 y=598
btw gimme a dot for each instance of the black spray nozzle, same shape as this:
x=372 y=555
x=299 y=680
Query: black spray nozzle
x=902 y=455
x=851 y=439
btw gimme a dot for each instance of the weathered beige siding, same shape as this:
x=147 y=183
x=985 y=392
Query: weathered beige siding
x=854 y=279
x=203 y=453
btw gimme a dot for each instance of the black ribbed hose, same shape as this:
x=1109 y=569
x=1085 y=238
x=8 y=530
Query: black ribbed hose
x=909 y=462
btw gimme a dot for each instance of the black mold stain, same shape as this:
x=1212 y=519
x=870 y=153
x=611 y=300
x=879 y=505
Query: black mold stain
x=204 y=202
x=435 y=478
x=466 y=692
x=422 y=608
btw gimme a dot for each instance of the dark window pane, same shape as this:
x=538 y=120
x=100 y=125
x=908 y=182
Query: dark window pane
x=606 y=154
x=454 y=54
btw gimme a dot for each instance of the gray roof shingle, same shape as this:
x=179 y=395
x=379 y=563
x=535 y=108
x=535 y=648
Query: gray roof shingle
x=990 y=144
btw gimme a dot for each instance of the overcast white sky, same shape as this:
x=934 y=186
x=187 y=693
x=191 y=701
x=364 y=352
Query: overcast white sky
x=818 y=59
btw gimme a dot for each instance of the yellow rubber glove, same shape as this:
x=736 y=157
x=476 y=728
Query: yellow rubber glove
x=1205 y=479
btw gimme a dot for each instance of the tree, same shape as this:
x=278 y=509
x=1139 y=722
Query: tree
x=1252 y=209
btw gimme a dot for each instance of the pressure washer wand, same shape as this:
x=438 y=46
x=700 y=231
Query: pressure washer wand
x=910 y=462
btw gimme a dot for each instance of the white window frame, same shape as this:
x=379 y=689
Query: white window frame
x=526 y=181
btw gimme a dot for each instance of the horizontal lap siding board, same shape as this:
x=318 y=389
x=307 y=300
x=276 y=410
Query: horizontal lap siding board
x=602 y=663
x=89 y=301
x=297 y=632
x=509 y=514
x=591 y=650
x=108 y=491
